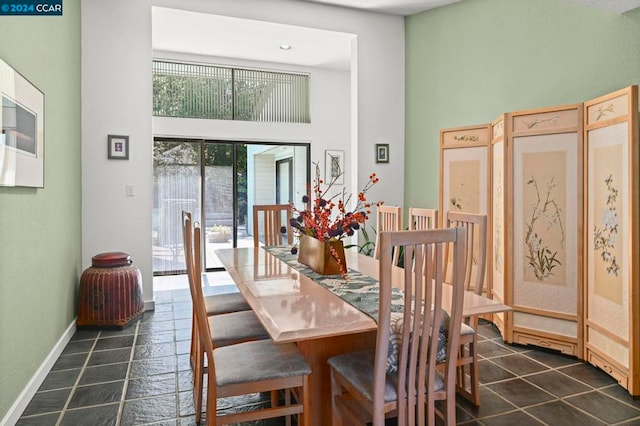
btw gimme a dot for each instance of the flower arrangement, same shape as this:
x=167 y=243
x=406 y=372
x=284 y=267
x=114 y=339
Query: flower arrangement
x=329 y=217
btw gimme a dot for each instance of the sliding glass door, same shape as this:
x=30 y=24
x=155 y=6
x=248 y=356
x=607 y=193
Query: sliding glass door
x=219 y=182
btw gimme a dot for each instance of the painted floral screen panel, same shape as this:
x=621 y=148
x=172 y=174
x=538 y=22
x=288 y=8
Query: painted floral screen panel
x=546 y=188
x=611 y=236
x=608 y=229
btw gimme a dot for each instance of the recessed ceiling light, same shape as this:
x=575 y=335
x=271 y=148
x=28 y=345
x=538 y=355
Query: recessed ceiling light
x=285 y=46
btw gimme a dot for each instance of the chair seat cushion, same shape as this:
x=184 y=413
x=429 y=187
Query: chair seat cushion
x=466 y=329
x=357 y=367
x=257 y=361
x=395 y=339
x=225 y=303
x=235 y=327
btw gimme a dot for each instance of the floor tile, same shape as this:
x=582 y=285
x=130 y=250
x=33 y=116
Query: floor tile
x=154 y=338
x=144 y=387
x=103 y=393
x=490 y=349
x=42 y=420
x=558 y=384
x=552 y=411
x=104 y=373
x=149 y=367
x=104 y=415
x=553 y=359
x=67 y=362
x=114 y=342
x=588 y=374
x=490 y=372
x=47 y=402
x=490 y=404
x=603 y=407
x=83 y=334
x=112 y=356
x=60 y=379
x=520 y=393
x=519 y=364
x=518 y=418
x=157 y=350
x=621 y=394
x=78 y=346
x=142 y=411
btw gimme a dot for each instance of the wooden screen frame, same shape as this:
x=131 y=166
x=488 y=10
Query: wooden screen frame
x=599 y=113
x=543 y=122
x=459 y=139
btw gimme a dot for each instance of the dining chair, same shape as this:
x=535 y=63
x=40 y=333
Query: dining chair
x=365 y=386
x=216 y=304
x=243 y=367
x=474 y=278
x=272 y=217
x=388 y=218
x=421 y=218
x=226 y=329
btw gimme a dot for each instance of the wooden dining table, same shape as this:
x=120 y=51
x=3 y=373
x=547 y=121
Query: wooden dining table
x=295 y=308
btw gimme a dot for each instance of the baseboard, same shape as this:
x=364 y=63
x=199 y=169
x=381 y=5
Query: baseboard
x=31 y=388
x=150 y=305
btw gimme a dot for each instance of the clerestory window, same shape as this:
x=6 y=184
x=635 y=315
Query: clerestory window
x=222 y=93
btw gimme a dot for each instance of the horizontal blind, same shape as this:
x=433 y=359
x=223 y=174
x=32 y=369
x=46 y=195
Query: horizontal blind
x=212 y=92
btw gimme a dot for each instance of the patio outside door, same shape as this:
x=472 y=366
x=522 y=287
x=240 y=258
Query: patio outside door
x=219 y=182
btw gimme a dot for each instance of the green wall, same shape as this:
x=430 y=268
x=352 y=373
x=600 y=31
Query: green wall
x=40 y=258
x=471 y=61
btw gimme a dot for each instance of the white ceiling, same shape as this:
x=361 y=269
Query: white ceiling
x=409 y=7
x=220 y=36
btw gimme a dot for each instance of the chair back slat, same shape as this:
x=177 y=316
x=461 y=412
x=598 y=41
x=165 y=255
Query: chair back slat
x=418 y=364
x=476 y=251
x=388 y=218
x=421 y=218
x=272 y=217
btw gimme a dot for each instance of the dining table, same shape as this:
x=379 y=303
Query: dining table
x=297 y=305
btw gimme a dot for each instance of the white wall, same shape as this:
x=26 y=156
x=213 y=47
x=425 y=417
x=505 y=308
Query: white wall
x=116 y=99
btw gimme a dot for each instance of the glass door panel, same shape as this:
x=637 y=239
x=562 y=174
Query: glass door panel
x=176 y=178
x=218 y=195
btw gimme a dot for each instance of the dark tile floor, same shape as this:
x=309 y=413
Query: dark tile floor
x=141 y=376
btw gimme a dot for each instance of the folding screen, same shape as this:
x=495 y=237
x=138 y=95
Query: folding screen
x=546 y=212
x=464 y=175
x=612 y=340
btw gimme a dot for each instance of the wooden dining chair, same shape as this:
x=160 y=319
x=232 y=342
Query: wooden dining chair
x=272 y=217
x=421 y=218
x=474 y=278
x=365 y=386
x=226 y=329
x=243 y=367
x=388 y=218
x=215 y=304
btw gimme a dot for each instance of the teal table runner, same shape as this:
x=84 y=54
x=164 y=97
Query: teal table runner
x=359 y=290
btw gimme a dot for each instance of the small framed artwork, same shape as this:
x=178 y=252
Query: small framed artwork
x=118 y=147
x=382 y=153
x=334 y=167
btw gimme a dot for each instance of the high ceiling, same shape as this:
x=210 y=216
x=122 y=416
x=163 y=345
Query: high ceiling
x=197 y=33
x=409 y=7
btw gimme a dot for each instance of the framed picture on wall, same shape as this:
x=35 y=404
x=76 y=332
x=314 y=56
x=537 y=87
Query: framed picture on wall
x=21 y=130
x=334 y=166
x=382 y=153
x=118 y=147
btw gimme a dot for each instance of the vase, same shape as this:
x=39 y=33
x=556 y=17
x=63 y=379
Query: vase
x=110 y=292
x=317 y=255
